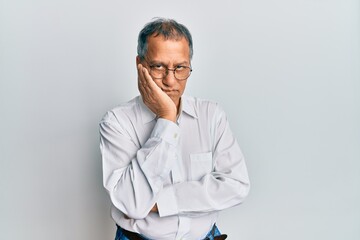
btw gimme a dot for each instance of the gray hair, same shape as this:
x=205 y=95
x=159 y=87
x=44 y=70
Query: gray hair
x=168 y=28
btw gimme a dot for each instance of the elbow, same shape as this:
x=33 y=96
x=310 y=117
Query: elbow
x=136 y=214
x=241 y=191
x=131 y=210
x=244 y=191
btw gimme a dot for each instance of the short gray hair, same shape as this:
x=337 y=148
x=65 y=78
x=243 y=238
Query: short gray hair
x=168 y=28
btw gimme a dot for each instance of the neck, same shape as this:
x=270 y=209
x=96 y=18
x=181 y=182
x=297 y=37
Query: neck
x=178 y=107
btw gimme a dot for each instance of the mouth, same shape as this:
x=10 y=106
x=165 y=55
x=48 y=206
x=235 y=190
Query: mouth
x=168 y=91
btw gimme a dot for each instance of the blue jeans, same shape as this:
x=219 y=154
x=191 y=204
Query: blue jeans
x=120 y=235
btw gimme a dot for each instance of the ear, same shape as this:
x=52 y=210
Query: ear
x=137 y=60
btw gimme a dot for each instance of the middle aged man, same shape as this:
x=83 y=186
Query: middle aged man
x=170 y=162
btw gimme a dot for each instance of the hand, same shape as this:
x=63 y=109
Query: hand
x=154 y=98
x=154 y=208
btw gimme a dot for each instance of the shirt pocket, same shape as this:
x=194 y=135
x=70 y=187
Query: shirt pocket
x=201 y=164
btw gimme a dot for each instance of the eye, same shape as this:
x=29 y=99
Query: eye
x=157 y=66
x=180 y=67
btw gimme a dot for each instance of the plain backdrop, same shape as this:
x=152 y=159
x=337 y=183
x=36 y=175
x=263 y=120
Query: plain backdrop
x=286 y=72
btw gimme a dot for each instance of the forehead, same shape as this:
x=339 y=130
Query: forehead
x=162 y=49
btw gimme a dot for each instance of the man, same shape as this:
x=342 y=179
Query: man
x=170 y=162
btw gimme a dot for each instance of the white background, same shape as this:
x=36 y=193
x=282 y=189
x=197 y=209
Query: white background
x=286 y=72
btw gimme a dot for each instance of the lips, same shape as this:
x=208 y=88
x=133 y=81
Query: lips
x=168 y=91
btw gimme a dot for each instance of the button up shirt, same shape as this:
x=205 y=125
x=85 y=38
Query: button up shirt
x=191 y=169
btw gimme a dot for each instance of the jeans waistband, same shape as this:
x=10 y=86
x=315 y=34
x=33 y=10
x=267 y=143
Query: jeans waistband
x=214 y=234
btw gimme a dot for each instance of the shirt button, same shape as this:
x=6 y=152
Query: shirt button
x=175 y=135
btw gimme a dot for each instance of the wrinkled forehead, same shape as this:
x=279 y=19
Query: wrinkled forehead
x=160 y=48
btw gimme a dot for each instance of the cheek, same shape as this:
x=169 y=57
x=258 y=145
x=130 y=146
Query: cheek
x=182 y=86
x=158 y=83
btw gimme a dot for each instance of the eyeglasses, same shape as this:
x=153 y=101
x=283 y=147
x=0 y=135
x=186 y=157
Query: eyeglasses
x=159 y=71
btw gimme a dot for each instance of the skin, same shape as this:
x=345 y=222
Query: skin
x=162 y=96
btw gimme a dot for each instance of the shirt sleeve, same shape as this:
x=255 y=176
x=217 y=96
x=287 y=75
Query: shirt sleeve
x=226 y=186
x=133 y=176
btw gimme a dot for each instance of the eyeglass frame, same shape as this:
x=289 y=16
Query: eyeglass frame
x=167 y=71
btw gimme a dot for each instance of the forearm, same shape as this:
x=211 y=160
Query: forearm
x=225 y=185
x=215 y=191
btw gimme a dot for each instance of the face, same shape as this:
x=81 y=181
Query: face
x=170 y=53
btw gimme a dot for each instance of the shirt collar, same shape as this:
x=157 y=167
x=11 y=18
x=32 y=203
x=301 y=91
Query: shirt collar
x=185 y=106
x=188 y=106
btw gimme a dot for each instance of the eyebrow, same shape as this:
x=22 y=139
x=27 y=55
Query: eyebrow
x=162 y=63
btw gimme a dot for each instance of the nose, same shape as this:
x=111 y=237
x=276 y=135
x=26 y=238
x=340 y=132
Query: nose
x=169 y=79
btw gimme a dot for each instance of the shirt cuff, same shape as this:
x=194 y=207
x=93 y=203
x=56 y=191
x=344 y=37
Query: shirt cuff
x=167 y=204
x=166 y=130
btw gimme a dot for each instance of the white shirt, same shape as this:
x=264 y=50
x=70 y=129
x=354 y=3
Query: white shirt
x=192 y=168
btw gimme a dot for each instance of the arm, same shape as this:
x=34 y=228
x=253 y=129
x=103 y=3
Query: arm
x=226 y=186
x=133 y=176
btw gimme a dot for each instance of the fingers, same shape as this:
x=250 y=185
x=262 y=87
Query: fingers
x=147 y=87
x=154 y=208
x=153 y=97
x=142 y=83
x=145 y=78
x=141 y=77
x=146 y=83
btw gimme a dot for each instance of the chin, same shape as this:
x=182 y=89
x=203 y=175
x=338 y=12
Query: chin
x=175 y=99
